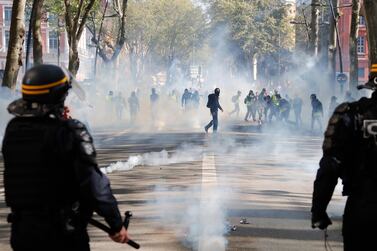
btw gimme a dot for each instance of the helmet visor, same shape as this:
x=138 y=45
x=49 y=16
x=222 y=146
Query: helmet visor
x=76 y=88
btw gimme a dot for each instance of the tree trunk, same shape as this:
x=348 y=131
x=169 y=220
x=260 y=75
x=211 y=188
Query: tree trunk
x=354 y=64
x=75 y=24
x=16 y=40
x=371 y=18
x=74 y=59
x=37 y=35
x=314 y=27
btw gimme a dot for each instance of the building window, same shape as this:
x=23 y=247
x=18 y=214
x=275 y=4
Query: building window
x=52 y=20
x=6 y=39
x=361 y=45
x=7 y=15
x=361 y=72
x=362 y=20
x=53 y=40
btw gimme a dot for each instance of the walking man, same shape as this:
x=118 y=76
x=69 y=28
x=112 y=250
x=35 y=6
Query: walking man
x=317 y=112
x=214 y=106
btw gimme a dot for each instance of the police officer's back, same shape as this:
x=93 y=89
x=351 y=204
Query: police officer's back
x=51 y=178
x=350 y=153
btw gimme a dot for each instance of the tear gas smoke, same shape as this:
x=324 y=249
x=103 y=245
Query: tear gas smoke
x=6 y=97
x=185 y=153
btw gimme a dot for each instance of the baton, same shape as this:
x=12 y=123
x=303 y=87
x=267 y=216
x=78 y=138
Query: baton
x=108 y=230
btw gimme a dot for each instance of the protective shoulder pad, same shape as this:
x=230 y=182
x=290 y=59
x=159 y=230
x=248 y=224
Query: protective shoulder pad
x=82 y=136
x=343 y=108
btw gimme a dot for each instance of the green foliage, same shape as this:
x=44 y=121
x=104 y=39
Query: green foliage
x=258 y=26
x=165 y=29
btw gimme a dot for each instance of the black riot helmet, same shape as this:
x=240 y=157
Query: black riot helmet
x=217 y=91
x=372 y=81
x=46 y=84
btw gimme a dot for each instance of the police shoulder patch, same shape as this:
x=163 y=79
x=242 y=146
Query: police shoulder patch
x=87 y=148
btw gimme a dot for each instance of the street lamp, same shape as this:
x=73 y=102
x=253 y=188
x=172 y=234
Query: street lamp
x=60 y=25
x=31 y=20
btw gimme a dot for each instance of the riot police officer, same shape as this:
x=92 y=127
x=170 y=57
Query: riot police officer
x=51 y=178
x=350 y=153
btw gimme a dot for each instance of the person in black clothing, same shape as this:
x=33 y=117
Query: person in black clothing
x=154 y=98
x=349 y=153
x=214 y=106
x=285 y=108
x=51 y=178
x=250 y=102
x=317 y=112
x=133 y=102
x=186 y=100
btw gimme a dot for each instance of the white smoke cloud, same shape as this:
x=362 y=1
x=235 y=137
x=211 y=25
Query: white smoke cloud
x=185 y=153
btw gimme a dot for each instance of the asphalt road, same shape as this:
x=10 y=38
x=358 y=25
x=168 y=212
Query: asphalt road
x=189 y=197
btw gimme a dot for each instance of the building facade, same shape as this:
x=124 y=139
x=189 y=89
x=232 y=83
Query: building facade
x=344 y=27
x=54 y=41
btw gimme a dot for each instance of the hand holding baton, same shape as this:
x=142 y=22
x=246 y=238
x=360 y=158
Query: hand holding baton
x=108 y=230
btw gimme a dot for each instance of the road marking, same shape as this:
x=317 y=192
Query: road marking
x=209 y=176
x=211 y=220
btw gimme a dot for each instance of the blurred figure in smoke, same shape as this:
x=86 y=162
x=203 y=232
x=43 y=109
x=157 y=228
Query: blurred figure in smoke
x=261 y=104
x=175 y=96
x=297 y=108
x=236 y=103
x=285 y=108
x=250 y=101
x=349 y=153
x=214 y=106
x=333 y=105
x=110 y=96
x=195 y=99
x=110 y=102
x=274 y=107
x=348 y=98
x=154 y=98
x=186 y=100
x=267 y=106
x=133 y=102
x=120 y=104
x=317 y=112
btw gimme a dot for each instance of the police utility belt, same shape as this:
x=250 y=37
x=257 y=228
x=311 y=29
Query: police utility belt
x=67 y=218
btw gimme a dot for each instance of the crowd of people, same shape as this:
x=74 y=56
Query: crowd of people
x=261 y=107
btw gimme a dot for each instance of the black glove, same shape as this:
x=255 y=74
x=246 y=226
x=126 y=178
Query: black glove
x=322 y=221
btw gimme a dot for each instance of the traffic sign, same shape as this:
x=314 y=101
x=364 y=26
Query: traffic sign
x=341 y=78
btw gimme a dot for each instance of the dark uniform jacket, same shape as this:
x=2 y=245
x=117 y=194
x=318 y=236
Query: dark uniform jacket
x=350 y=153
x=50 y=166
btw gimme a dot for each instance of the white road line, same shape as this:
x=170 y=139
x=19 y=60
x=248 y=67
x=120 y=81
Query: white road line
x=210 y=239
x=209 y=177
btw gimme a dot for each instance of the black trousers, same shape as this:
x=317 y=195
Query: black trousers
x=37 y=233
x=360 y=225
